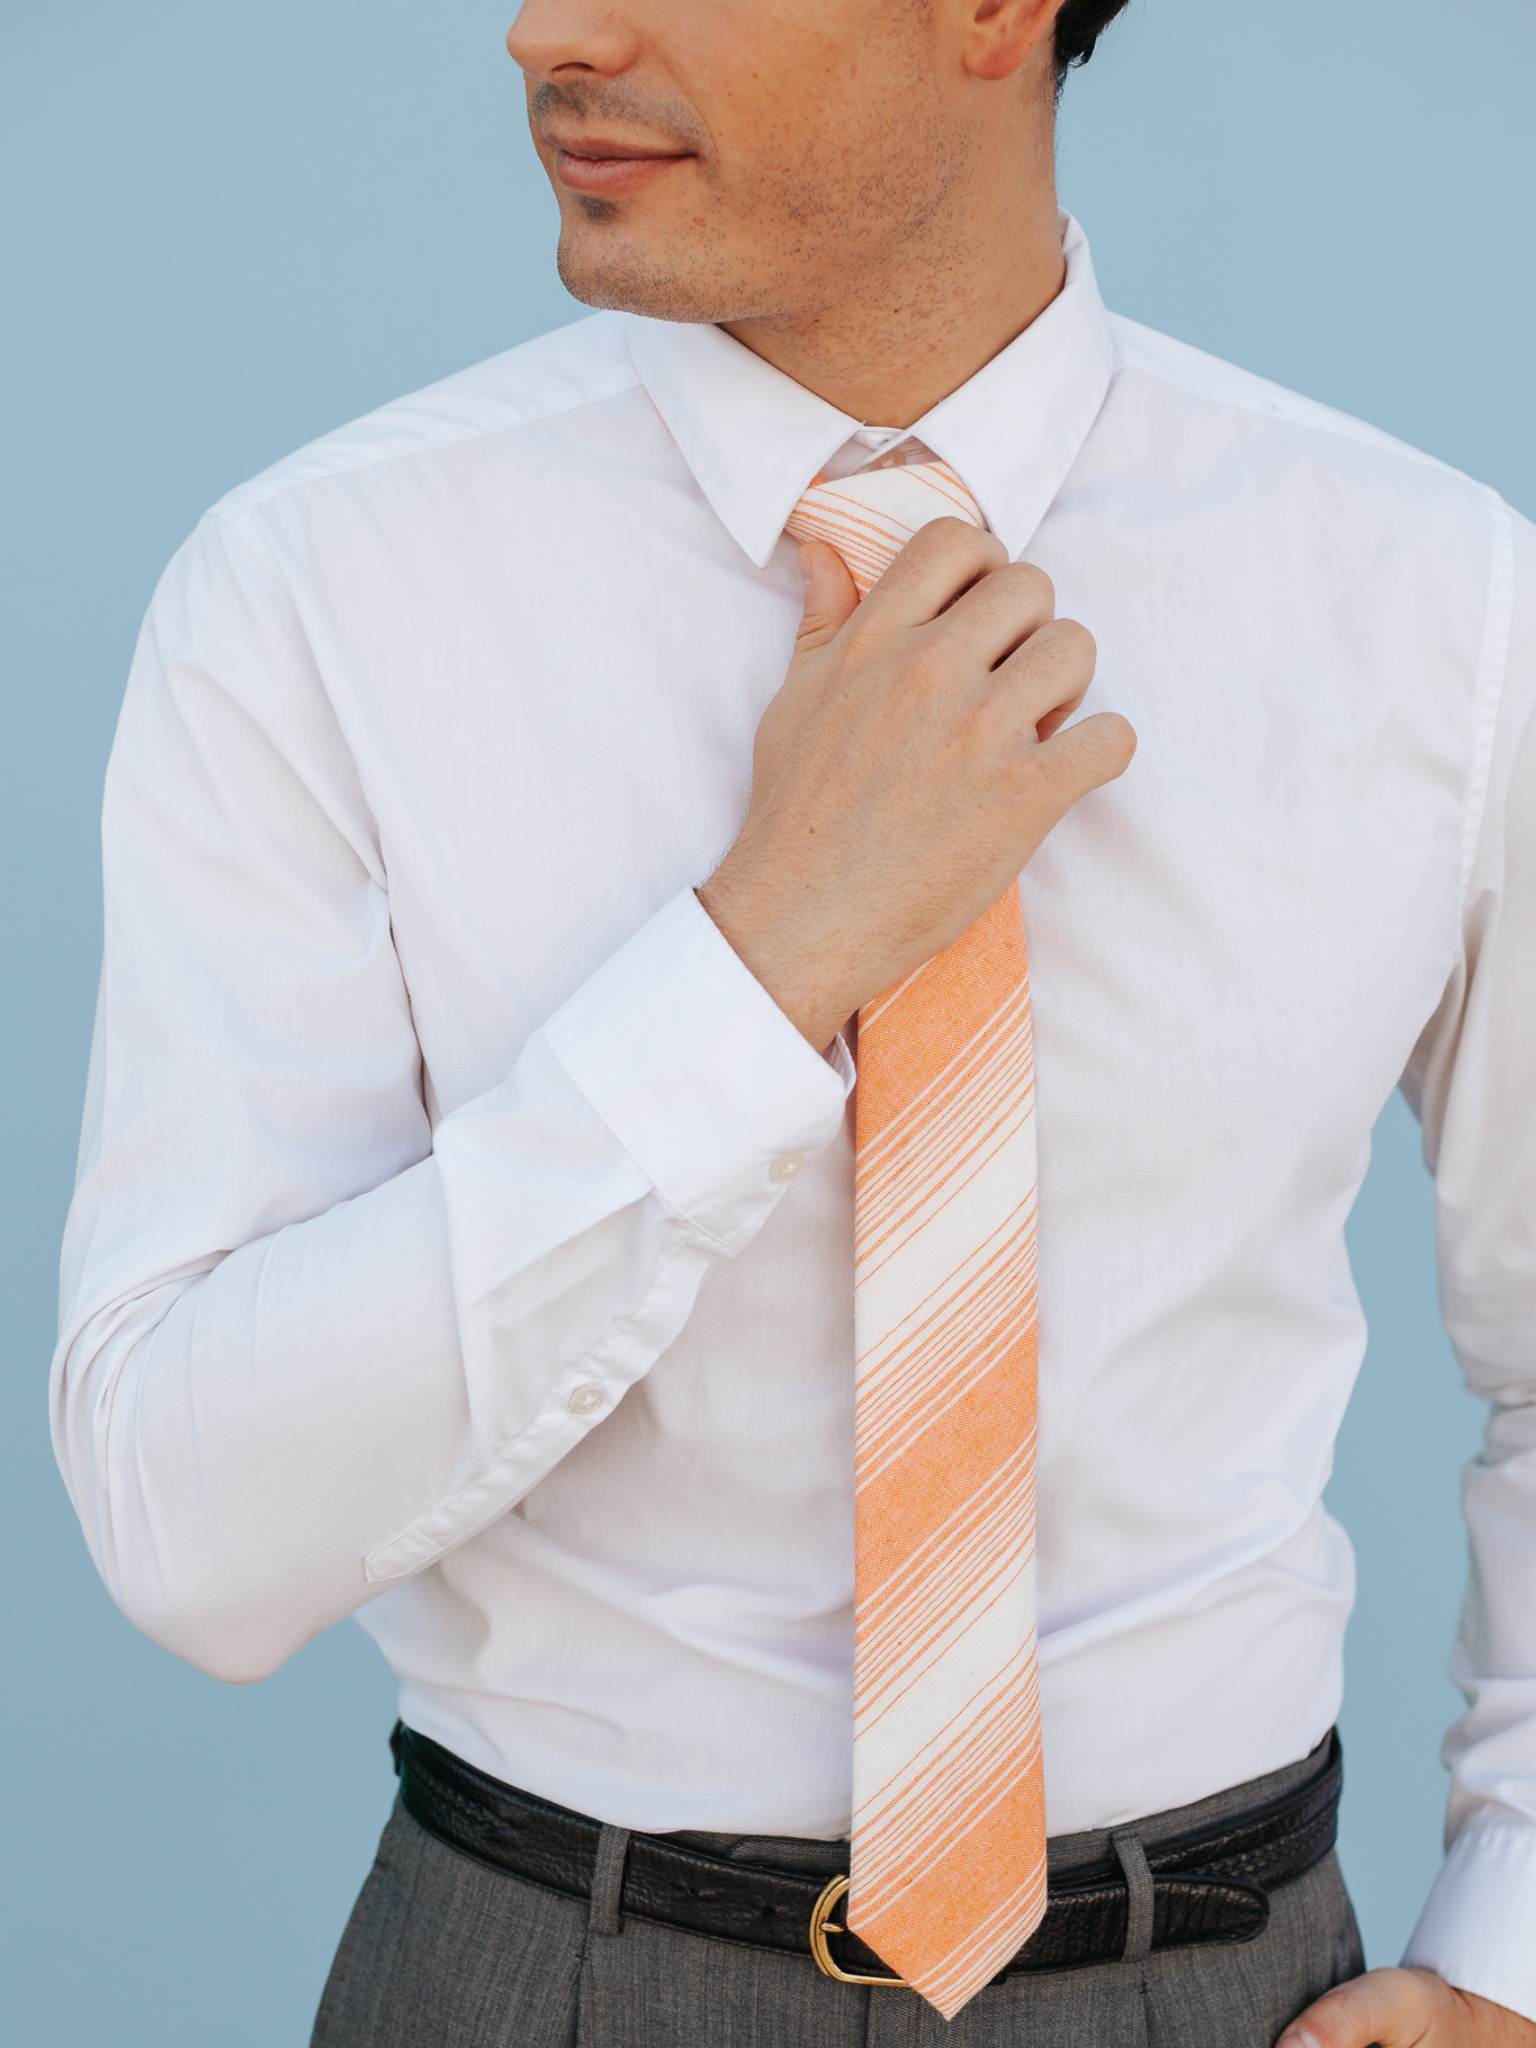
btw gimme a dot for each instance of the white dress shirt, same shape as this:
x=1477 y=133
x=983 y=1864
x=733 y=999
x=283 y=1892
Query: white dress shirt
x=464 y=1237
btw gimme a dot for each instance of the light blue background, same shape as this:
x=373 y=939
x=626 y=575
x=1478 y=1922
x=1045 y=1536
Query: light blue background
x=226 y=228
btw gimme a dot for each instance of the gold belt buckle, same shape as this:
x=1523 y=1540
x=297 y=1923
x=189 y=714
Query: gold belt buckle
x=821 y=1927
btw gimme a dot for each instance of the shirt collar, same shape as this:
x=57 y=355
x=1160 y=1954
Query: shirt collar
x=754 y=438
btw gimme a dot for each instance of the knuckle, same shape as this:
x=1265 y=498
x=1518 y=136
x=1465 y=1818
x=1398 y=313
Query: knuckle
x=933 y=538
x=1065 y=647
x=1034 y=584
x=958 y=539
x=1018 y=595
x=1077 y=636
x=1049 y=668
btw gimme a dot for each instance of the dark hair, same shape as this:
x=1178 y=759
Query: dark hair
x=1078 y=27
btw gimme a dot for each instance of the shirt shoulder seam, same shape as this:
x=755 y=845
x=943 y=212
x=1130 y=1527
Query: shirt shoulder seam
x=1306 y=414
x=236 y=508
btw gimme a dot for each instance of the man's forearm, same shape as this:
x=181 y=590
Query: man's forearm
x=261 y=1441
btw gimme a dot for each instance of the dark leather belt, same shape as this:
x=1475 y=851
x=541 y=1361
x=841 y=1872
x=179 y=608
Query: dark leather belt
x=1205 y=1888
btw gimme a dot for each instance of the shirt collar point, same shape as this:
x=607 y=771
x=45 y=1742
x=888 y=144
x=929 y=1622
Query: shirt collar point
x=753 y=438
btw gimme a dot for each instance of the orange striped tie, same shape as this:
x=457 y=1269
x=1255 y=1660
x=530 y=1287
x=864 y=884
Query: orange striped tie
x=948 y=1866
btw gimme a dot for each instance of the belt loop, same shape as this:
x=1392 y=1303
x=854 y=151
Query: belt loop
x=1126 y=1844
x=603 y=1915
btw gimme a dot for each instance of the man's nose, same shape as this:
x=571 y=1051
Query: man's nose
x=556 y=38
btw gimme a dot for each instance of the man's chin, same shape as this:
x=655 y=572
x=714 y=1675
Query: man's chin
x=624 y=278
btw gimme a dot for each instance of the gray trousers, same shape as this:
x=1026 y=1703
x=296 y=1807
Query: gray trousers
x=445 y=1952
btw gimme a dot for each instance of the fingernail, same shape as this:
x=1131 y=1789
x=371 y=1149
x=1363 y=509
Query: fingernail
x=804 y=558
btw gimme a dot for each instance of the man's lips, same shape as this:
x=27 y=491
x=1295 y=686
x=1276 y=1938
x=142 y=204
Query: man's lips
x=593 y=164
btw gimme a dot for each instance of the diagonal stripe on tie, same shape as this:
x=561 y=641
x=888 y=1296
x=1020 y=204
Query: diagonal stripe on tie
x=948 y=1865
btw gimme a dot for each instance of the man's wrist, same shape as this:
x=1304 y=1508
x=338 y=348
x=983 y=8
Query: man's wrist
x=792 y=969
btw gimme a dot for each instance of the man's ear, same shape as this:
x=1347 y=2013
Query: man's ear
x=1002 y=36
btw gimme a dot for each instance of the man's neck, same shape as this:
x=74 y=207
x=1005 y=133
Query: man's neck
x=888 y=353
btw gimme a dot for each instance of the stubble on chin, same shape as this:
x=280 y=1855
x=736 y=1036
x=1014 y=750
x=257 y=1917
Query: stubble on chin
x=602 y=266
x=722 y=259
x=667 y=275
x=787 y=243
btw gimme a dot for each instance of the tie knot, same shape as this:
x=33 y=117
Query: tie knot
x=870 y=517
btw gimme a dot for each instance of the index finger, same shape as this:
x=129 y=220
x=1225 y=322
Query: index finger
x=941 y=560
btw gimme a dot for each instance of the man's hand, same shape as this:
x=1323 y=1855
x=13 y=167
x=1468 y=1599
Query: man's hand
x=1406 y=2009
x=907 y=769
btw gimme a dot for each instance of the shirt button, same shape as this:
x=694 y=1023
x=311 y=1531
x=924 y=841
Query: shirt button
x=586 y=1400
x=786 y=1166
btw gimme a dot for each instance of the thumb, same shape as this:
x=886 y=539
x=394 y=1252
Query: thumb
x=831 y=596
x=1393 y=2008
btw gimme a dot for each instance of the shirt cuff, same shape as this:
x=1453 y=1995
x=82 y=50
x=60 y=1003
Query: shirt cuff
x=699 y=1074
x=1476 y=1930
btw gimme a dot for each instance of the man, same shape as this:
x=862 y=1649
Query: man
x=473 y=1233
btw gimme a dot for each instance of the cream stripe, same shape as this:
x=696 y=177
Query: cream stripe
x=987 y=1634
x=1003 y=1260
x=1012 y=1018
x=971 y=1329
x=939 y=1241
x=935 y=1379
x=972 y=1582
x=893 y=1211
x=955 y=1779
x=928 y=1139
x=988 y=1745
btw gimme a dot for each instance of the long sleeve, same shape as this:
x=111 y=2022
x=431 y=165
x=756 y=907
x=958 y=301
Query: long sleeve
x=1474 y=1080
x=309 y=1342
